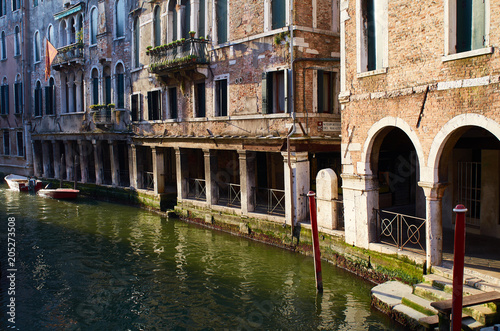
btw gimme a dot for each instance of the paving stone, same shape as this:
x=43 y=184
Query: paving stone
x=391 y=293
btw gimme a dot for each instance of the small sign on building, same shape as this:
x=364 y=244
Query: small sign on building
x=328 y=126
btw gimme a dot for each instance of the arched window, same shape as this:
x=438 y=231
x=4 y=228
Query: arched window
x=51 y=36
x=38 y=99
x=95 y=87
x=185 y=18
x=62 y=34
x=50 y=97
x=18 y=95
x=157 y=26
x=120 y=18
x=107 y=86
x=17 y=41
x=16 y=4
x=37 y=47
x=4 y=96
x=172 y=21
x=93 y=26
x=120 y=87
x=4 y=46
x=136 y=42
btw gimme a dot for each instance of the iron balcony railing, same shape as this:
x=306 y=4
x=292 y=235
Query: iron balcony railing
x=102 y=116
x=197 y=189
x=403 y=231
x=178 y=55
x=68 y=53
x=269 y=200
x=229 y=194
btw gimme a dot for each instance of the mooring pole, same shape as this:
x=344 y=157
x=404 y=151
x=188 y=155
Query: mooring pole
x=458 y=268
x=315 y=238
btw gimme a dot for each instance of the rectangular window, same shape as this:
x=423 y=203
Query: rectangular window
x=49 y=100
x=35 y=3
x=221 y=97
x=107 y=90
x=95 y=91
x=6 y=143
x=16 y=4
x=273 y=92
x=172 y=102
x=4 y=99
x=135 y=107
x=20 y=143
x=200 y=100
x=18 y=97
x=278 y=9
x=221 y=14
x=38 y=101
x=470 y=25
x=154 y=105
x=373 y=39
x=327 y=92
x=120 y=82
x=201 y=23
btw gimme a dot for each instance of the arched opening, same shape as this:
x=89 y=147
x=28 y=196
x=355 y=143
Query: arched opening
x=470 y=164
x=185 y=11
x=62 y=34
x=120 y=86
x=120 y=18
x=172 y=21
x=95 y=87
x=136 y=43
x=157 y=26
x=93 y=26
x=107 y=85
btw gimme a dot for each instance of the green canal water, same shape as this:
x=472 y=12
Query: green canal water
x=92 y=265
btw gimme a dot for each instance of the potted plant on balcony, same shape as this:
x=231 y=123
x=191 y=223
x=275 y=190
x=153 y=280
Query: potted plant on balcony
x=148 y=49
x=202 y=38
x=192 y=33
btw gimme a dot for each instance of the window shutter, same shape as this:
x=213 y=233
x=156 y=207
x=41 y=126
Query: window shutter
x=158 y=105
x=108 y=89
x=48 y=98
x=320 y=74
x=223 y=97
x=95 y=91
x=150 y=106
x=478 y=19
x=264 y=94
x=6 y=87
x=221 y=21
x=464 y=28
x=278 y=13
x=121 y=92
x=134 y=105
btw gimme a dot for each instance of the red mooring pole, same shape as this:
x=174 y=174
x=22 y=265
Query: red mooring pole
x=458 y=268
x=316 y=251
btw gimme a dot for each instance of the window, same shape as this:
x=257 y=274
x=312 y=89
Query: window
x=120 y=18
x=16 y=4
x=470 y=25
x=35 y=3
x=120 y=87
x=3 y=7
x=136 y=43
x=372 y=25
x=221 y=14
x=50 y=98
x=20 y=143
x=18 y=97
x=95 y=87
x=154 y=105
x=326 y=92
x=172 y=103
x=17 y=41
x=185 y=18
x=278 y=9
x=37 y=47
x=4 y=98
x=6 y=143
x=135 y=107
x=4 y=46
x=172 y=21
x=157 y=26
x=273 y=92
x=107 y=86
x=50 y=35
x=38 y=99
x=221 y=97
x=93 y=26
x=200 y=100
x=201 y=17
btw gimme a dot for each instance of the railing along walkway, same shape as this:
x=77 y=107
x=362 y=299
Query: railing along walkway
x=403 y=231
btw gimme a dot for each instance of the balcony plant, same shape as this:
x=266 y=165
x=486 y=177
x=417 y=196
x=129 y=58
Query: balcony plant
x=192 y=33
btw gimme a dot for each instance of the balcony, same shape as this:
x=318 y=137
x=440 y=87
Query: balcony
x=102 y=115
x=189 y=57
x=69 y=56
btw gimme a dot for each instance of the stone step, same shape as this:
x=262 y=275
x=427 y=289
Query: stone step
x=470 y=324
x=447 y=271
x=420 y=304
x=446 y=284
x=408 y=316
x=481 y=313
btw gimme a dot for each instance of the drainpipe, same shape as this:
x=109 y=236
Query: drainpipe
x=26 y=88
x=293 y=129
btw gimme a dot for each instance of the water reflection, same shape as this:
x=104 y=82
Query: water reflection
x=98 y=266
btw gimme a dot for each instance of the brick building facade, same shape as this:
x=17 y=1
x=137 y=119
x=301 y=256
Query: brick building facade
x=420 y=123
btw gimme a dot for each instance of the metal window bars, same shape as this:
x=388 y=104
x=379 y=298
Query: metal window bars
x=269 y=200
x=197 y=189
x=149 y=183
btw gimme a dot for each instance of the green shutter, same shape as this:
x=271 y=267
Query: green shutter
x=478 y=19
x=48 y=97
x=120 y=91
x=201 y=23
x=173 y=102
x=464 y=25
x=320 y=96
x=150 y=106
x=371 y=32
x=95 y=91
x=157 y=27
x=278 y=9
x=6 y=99
x=201 y=100
x=135 y=107
x=265 y=97
x=186 y=19
x=221 y=21
x=108 y=89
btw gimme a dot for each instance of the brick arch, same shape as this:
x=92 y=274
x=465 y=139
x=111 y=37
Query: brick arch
x=373 y=136
x=443 y=136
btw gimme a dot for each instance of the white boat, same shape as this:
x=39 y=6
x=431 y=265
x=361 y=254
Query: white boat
x=23 y=183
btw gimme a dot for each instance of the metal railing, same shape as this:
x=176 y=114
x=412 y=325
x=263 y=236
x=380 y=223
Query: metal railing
x=69 y=53
x=340 y=214
x=149 y=180
x=191 y=51
x=102 y=116
x=270 y=200
x=403 y=231
x=197 y=189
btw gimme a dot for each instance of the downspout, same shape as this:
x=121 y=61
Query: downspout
x=293 y=128
x=26 y=87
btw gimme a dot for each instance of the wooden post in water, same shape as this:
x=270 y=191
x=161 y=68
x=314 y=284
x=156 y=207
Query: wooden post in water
x=458 y=268
x=315 y=238
x=61 y=171
x=74 y=172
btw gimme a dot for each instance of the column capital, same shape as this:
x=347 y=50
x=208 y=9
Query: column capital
x=295 y=156
x=433 y=191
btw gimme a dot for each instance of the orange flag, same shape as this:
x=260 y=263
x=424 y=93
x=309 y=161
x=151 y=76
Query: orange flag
x=50 y=54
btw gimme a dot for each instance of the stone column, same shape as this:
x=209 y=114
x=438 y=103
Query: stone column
x=195 y=14
x=79 y=96
x=46 y=159
x=56 y=148
x=180 y=19
x=115 y=162
x=85 y=149
x=211 y=189
x=132 y=165
x=300 y=186
x=71 y=107
x=99 y=169
x=181 y=170
x=158 y=170
x=37 y=168
x=68 y=148
x=247 y=181
x=360 y=194
x=434 y=222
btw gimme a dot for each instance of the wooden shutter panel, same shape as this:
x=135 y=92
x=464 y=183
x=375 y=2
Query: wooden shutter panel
x=320 y=98
x=265 y=108
x=6 y=99
x=150 y=106
x=134 y=105
x=48 y=97
x=478 y=20
x=278 y=8
x=121 y=91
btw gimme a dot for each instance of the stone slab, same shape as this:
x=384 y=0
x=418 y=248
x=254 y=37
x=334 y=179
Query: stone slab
x=410 y=312
x=391 y=292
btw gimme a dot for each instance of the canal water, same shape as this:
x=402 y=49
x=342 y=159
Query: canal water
x=92 y=265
